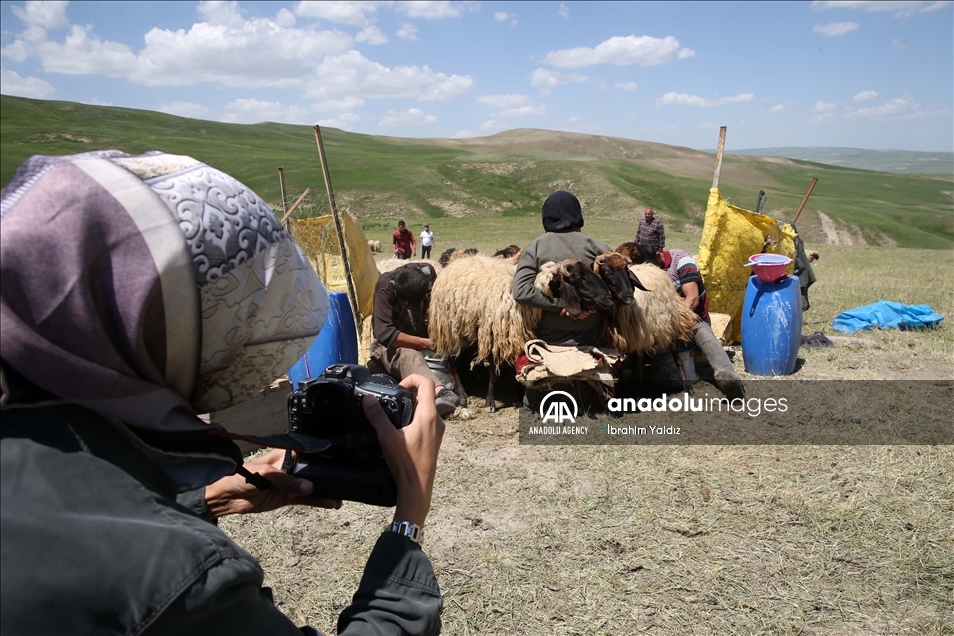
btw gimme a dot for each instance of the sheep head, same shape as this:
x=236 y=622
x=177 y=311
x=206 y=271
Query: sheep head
x=508 y=252
x=639 y=253
x=613 y=269
x=581 y=288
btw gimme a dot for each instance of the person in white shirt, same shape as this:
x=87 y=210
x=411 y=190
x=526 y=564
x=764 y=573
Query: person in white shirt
x=427 y=242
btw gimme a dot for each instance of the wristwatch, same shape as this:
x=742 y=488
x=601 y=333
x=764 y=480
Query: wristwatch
x=407 y=529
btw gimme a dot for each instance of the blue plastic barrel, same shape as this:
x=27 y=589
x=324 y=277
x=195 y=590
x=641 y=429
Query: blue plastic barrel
x=336 y=343
x=771 y=326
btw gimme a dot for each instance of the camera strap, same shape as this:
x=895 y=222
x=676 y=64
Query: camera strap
x=288 y=441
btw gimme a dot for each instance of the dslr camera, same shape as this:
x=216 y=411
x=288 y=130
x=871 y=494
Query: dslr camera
x=352 y=468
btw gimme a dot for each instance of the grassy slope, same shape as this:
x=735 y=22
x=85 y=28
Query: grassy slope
x=502 y=177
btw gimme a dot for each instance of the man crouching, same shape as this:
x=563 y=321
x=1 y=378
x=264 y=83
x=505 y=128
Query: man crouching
x=399 y=323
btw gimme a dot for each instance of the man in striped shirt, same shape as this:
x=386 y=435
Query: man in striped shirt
x=684 y=273
x=651 y=231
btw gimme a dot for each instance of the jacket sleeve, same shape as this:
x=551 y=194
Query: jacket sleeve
x=398 y=593
x=523 y=290
x=382 y=321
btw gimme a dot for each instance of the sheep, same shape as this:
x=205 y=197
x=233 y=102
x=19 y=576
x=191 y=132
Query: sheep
x=654 y=321
x=391 y=264
x=613 y=268
x=472 y=304
x=509 y=252
x=639 y=253
x=374 y=246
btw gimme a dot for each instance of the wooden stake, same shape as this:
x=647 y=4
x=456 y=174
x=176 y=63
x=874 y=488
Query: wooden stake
x=281 y=182
x=295 y=205
x=805 y=199
x=719 y=150
x=352 y=296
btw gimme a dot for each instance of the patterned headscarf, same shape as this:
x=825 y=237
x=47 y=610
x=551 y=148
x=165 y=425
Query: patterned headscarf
x=149 y=288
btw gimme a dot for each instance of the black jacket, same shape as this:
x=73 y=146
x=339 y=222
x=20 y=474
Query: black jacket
x=93 y=540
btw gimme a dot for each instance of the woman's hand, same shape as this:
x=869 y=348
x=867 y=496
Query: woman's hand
x=584 y=314
x=411 y=452
x=233 y=495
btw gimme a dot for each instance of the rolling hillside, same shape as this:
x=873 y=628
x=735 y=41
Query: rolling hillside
x=502 y=176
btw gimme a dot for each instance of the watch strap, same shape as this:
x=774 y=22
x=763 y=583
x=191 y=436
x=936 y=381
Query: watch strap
x=407 y=529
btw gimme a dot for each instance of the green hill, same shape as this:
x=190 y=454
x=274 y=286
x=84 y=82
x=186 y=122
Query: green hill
x=902 y=161
x=502 y=176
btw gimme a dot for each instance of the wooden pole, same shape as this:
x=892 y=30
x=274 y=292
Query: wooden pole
x=352 y=296
x=281 y=181
x=295 y=205
x=805 y=199
x=719 y=150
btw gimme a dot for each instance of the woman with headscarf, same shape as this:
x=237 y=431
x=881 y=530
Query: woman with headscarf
x=563 y=222
x=137 y=292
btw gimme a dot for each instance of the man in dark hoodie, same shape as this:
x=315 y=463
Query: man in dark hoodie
x=562 y=220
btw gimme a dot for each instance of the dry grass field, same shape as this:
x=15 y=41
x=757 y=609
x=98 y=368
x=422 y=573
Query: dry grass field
x=833 y=540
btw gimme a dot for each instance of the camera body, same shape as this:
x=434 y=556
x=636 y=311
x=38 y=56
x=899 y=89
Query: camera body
x=329 y=407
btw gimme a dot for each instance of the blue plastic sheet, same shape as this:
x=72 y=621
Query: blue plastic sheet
x=886 y=314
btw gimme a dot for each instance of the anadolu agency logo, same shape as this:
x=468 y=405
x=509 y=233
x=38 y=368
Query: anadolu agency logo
x=556 y=410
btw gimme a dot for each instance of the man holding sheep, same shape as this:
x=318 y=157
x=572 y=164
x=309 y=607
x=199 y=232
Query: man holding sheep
x=399 y=323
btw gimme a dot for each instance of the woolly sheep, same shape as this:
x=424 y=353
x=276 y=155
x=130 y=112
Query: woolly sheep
x=391 y=264
x=654 y=321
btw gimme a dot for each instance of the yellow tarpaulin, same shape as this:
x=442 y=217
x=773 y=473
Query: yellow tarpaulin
x=316 y=236
x=730 y=235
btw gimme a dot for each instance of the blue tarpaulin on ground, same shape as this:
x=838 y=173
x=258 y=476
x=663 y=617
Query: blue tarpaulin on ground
x=886 y=314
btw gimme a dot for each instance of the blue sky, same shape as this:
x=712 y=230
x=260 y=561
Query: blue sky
x=876 y=75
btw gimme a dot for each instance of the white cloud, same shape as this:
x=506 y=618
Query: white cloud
x=12 y=84
x=864 y=96
x=491 y=124
x=546 y=80
x=436 y=9
x=285 y=18
x=411 y=117
x=464 y=134
x=340 y=121
x=407 y=31
x=353 y=13
x=504 y=101
x=778 y=108
x=254 y=111
x=684 y=99
x=903 y=9
x=685 y=53
x=834 y=29
x=353 y=74
x=898 y=45
x=447 y=88
x=501 y=16
x=621 y=51
x=372 y=35
x=820 y=119
x=901 y=107
x=564 y=11
x=226 y=49
x=627 y=87
x=45 y=15
x=824 y=107
x=184 y=109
